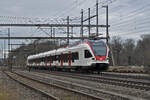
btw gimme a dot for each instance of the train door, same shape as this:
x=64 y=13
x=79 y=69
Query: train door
x=87 y=57
x=69 y=59
x=46 y=63
x=50 y=60
x=61 y=60
x=81 y=56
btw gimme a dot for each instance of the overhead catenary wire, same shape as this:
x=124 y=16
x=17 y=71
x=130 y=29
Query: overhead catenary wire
x=133 y=23
x=132 y=14
x=16 y=19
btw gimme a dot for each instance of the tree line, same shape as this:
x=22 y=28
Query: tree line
x=18 y=56
x=131 y=52
x=124 y=52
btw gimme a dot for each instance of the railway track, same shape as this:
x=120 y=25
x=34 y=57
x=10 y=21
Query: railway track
x=30 y=84
x=85 y=87
x=127 y=75
x=125 y=80
x=51 y=91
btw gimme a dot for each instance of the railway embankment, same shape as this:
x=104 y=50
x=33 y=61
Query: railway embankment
x=12 y=90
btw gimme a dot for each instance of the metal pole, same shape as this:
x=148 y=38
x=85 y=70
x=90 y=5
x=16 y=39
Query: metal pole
x=97 y=18
x=72 y=31
x=68 y=30
x=51 y=31
x=107 y=31
x=54 y=36
x=9 y=51
x=4 y=51
x=89 y=21
x=82 y=24
x=112 y=55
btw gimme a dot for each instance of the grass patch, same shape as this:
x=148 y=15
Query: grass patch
x=7 y=94
x=126 y=69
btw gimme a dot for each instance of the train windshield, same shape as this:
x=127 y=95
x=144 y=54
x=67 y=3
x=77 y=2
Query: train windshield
x=99 y=48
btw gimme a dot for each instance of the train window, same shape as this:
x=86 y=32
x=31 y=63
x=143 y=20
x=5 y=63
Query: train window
x=75 y=56
x=58 y=58
x=53 y=58
x=44 y=59
x=35 y=60
x=47 y=59
x=87 y=54
x=50 y=59
x=29 y=61
x=41 y=59
x=65 y=57
x=72 y=60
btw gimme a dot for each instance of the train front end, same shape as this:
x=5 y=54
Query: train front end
x=100 y=50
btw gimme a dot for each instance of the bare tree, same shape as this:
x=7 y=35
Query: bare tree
x=116 y=45
x=128 y=52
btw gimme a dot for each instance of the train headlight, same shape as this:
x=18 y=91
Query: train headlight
x=93 y=58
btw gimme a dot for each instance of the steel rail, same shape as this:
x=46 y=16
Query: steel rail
x=74 y=85
x=51 y=97
x=67 y=89
x=110 y=80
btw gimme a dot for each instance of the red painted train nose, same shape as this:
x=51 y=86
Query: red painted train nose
x=100 y=58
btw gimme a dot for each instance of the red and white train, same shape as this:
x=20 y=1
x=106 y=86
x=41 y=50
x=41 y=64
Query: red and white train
x=91 y=55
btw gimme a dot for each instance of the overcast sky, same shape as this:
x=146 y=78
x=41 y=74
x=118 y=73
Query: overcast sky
x=63 y=8
x=128 y=18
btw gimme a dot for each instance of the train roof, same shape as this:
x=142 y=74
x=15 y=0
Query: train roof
x=40 y=55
